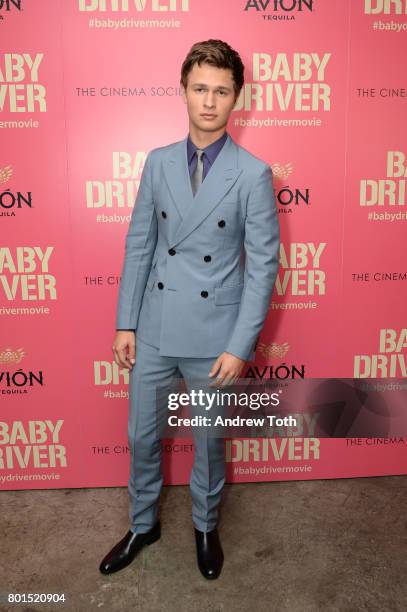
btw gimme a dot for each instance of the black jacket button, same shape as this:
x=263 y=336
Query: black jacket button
x=207 y=258
x=160 y=285
x=204 y=294
x=221 y=223
x=172 y=251
x=163 y=214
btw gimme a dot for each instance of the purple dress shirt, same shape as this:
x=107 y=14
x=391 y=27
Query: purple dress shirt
x=209 y=156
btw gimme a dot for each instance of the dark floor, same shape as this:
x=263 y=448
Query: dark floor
x=303 y=546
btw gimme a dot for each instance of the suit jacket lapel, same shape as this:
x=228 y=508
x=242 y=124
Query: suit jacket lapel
x=220 y=178
x=176 y=173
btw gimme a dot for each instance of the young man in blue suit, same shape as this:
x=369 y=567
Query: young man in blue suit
x=188 y=299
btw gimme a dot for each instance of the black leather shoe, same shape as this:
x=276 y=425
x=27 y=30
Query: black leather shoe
x=209 y=552
x=124 y=552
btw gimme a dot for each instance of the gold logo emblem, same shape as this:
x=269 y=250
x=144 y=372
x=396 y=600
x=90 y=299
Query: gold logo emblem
x=5 y=174
x=282 y=171
x=273 y=350
x=8 y=356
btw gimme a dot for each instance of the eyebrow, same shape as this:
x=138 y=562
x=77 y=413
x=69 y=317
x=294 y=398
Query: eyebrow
x=217 y=87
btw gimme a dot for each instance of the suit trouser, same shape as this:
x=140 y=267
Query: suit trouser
x=145 y=482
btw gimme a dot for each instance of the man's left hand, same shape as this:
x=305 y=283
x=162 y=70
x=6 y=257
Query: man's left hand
x=228 y=368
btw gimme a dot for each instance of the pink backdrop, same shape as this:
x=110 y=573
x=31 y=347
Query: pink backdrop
x=87 y=88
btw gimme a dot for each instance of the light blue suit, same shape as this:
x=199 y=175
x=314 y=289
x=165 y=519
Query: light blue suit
x=191 y=291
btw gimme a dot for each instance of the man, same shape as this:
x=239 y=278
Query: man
x=191 y=302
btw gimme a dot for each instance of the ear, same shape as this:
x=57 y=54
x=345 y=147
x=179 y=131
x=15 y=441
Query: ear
x=237 y=96
x=183 y=94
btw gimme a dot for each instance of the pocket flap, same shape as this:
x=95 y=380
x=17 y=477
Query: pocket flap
x=228 y=295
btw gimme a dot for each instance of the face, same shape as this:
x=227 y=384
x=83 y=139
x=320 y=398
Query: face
x=209 y=96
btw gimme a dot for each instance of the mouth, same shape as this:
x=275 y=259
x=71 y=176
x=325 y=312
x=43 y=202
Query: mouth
x=208 y=116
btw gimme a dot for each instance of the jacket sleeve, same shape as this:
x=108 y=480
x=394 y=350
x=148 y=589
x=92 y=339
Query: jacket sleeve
x=140 y=243
x=262 y=245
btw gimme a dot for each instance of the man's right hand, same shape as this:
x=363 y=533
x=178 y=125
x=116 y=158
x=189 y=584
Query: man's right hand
x=124 y=349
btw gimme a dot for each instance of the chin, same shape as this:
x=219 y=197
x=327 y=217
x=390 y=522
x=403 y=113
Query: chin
x=210 y=127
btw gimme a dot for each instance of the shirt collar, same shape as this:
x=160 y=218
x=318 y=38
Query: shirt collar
x=211 y=150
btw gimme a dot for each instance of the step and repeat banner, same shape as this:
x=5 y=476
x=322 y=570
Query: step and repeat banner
x=87 y=89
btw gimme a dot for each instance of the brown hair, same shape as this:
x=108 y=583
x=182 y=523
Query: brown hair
x=216 y=53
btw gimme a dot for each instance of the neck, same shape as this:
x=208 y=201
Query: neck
x=204 y=139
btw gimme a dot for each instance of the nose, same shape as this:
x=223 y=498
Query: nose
x=209 y=100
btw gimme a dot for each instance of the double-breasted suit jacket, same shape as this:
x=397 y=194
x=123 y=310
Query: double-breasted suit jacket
x=199 y=270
